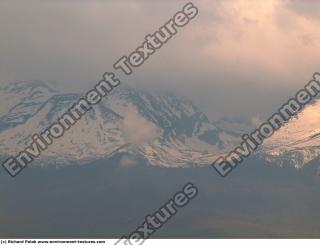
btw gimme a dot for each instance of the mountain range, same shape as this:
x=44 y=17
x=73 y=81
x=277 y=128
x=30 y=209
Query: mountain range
x=160 y=128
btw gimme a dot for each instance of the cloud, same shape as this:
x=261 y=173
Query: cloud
x=235 y=58
x=308 y=9
x=138 y=130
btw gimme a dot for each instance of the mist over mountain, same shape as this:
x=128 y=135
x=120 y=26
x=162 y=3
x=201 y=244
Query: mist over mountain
x=188 y=103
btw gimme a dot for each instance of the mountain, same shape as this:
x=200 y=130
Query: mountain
x=160 y=128
x=298 y=141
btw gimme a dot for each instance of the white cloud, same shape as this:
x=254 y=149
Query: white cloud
x=138 y=130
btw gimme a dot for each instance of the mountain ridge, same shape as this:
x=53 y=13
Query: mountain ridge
x=161 y=128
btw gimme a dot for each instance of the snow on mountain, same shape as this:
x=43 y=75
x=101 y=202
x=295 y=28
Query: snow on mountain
x=160 y=128
x=298 y=141
x=21 y=100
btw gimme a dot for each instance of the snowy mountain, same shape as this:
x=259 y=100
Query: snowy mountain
x=160 y=128
x=297 y=142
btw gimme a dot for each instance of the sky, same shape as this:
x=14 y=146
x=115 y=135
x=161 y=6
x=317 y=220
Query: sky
x=236 y=58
